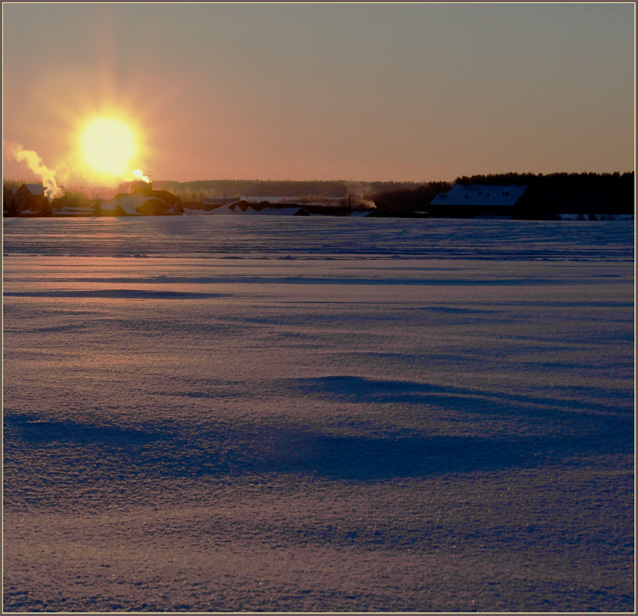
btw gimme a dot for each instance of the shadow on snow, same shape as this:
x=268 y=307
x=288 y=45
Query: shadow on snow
x=101 y=453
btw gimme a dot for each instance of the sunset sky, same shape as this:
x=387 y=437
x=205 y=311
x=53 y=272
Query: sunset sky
x=359 y=91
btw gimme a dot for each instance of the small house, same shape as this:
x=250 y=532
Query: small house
x=31 y=200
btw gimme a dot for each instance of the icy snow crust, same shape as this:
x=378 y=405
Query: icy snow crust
x=312 y=415
x=274 y=237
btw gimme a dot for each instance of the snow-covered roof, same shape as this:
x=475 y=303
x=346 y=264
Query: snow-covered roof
x=250 y=211
x=481 y=195
x=219 y=200
x=35 y=189
x=129 y=203
x=223 y=210
x=299 y=200
x=361 y=213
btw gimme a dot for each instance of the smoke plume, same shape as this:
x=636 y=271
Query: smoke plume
x=34 y=162
x=139 y=175
x=359 y=191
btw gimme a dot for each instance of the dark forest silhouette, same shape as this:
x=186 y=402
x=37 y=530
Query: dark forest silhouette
x=548 y=196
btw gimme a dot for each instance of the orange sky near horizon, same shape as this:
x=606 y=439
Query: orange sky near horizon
x=364 y=92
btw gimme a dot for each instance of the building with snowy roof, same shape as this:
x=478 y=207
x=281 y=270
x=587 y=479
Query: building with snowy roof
x=211 y=203
x=479 y=200
x=143 y=201
x=28 y=200
x=243 y=208
x=36 y=190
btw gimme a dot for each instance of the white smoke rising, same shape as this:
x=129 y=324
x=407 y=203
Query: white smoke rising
x=139 y=175
x=34 y=162
x=358 y=192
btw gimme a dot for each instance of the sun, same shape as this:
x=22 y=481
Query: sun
x=108 y=145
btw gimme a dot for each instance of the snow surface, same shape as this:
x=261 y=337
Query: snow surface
x=303 y=414
x=73 y=211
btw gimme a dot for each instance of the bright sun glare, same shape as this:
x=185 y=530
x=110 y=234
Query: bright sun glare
x=108 y=145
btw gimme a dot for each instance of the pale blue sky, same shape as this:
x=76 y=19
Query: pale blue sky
x=328 y=91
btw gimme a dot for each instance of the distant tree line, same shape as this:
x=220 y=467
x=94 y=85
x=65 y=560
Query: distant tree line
x=197 y=190
x=548 y=195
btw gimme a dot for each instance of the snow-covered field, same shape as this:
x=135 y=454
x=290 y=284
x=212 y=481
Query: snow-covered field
x=305 y=414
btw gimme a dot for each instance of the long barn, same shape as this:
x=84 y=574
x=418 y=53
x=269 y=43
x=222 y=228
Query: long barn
x=478 y=200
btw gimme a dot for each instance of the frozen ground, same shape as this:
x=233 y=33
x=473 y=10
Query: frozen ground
x=208 y=414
